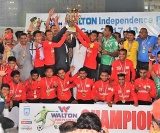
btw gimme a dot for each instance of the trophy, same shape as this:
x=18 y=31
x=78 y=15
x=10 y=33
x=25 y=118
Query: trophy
x=73 y=15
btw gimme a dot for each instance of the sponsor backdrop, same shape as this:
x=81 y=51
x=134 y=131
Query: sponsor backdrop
x=97 y=21
x=43 y=118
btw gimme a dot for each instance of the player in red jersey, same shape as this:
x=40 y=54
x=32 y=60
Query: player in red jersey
x=124 y=92
x=9 y=68
x=102 y=88
x=49 y=46
x=17 y=89
x=48 y=86
x=33 y=93
x=36 y=50
x=64 y=85
x=92 y=46
x=123 y=65
x=84 y=88
x=145 y=88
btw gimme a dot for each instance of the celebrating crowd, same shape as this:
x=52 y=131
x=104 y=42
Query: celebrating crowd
x=59 y=66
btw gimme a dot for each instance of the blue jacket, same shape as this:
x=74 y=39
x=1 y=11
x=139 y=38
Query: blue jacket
x=151 y=41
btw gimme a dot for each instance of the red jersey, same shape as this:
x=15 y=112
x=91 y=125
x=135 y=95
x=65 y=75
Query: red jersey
x=142 y=94
x=37 y=61
x=126 y=67
x=156 y=69
x=17 y=91
x=48 y=90
x=101 y=90
x=7 y=78
x=84 y=88
x=48 y=47
x=64 y=86
x=92 y=49
x=32 y=90
x=124 y=93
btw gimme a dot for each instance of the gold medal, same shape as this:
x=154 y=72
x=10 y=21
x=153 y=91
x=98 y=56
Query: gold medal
x=35 y=96
x=48 y=87
x=48 y=92
x=79 y=52
x=62 y=94
x=129 y=53
x=143 y=51
x=84 y=94
x=23 y=56
x=123 y=101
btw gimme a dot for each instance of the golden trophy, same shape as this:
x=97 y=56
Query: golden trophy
x=73 y=15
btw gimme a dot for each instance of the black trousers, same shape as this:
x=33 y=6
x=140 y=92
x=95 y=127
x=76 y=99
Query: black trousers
x=105 y=68
x=54 y=100
x=34 y=101
x=40 y=70
x=144 y=102
x=126 y=103
x=16 y=103
x=85 y=101
x=91 y=73
x=6 y=122
x=69 y=101
x=140 y=65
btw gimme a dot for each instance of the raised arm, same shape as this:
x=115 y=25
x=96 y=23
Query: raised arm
x=5 y=54
x=84 y=36
x=59 y=44
x=73 y=77
x=57 y=38
x=56 y=22
x=2 y=73
x=151 y=70
x=51 y=12
x=84 y=43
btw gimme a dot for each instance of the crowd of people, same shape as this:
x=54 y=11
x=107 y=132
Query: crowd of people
x=59 y=66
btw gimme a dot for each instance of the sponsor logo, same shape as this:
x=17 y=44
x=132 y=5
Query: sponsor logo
x=26 y=122
x=28 y=128
x=26 y=111
x=64 y=113
x=64 y=109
